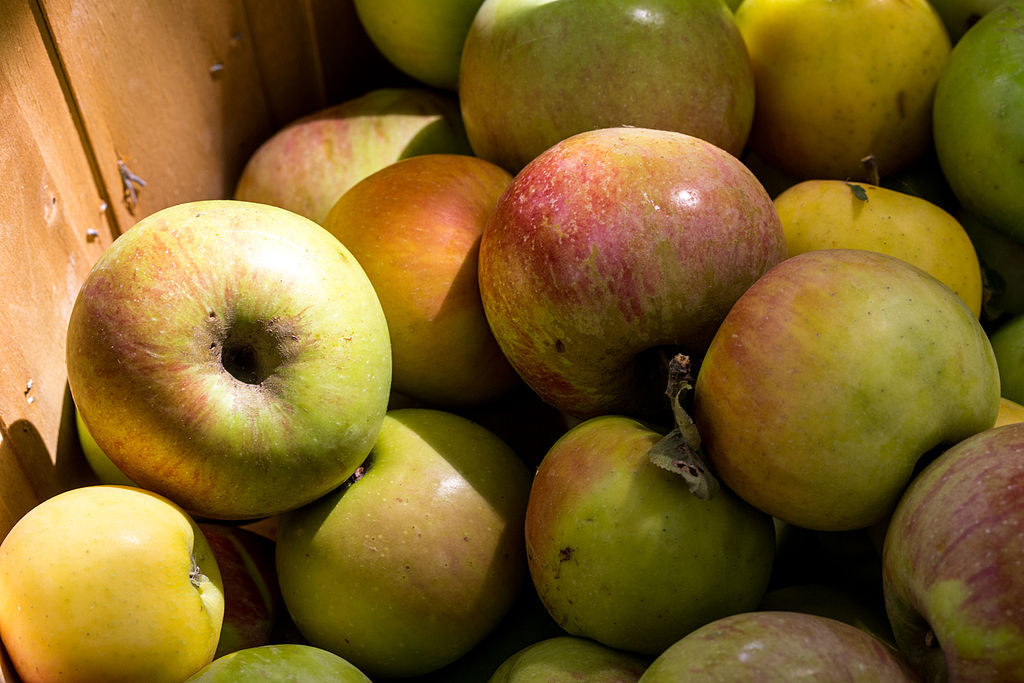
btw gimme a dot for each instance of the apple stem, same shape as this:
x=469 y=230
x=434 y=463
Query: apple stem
x=871 y=167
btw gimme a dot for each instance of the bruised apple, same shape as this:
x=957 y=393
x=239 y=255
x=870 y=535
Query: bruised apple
x=611 y=251
x=831 y=377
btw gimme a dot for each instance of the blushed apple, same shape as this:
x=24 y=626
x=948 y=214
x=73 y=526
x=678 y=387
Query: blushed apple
x=621 y=551
x=309 y=163
x=423 y=40
x=953 y=550
x=231 y=356
x=252 y=599
x=405 y=568
x=831 y=377
x=567 y=659
x=279 y=662
x=979 y=141
x=535 y=72
x=779 y=646
x=108 y=583
x=614 y=248
x=415 y=228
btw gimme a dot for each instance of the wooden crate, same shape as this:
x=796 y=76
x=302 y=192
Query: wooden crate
x=111 y=110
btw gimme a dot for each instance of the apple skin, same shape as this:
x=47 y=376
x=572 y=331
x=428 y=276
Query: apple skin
x=231 y=356
x=105 y=470
x=779 y=646
x=612 y=246
x=422 y=40
x=831 y=377
x=960 y=15
x=951 y=561
x=568 y=659
x=306 y=165
x=979 y=144
x=1008 y=345
x=415 y=228
x=108 y=583
x=621 y=552
x=279 y=662
x=1009 y=412
x=534 y=72
x=252 y=599
x=406 y=568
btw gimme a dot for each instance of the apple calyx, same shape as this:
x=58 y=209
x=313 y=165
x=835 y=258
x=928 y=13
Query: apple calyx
x=679 y=451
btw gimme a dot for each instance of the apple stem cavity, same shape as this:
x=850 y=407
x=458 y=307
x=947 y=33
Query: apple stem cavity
x=679 y=451
x=251 y=350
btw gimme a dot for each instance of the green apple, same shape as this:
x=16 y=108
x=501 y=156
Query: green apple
x=568 y=659
x=960 y=15
x=622 y=553
x=410 y=564
x=779 y=647
x=108 y=583
x=977 y=130
x=1002 y=264
x=831 y=377
x=614 y=249
x=279 y=663
x=252 y=599
x=840 y=81
x=825 y=214
x=535 y=72
x=1008 y=344
x=422 y=39
x=951 y=562
x=306 y=165
x=415 y=226
x=231 y=356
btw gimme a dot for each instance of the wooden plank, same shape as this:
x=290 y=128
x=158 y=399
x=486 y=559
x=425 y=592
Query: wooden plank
x=52 y=229
x=169 y=92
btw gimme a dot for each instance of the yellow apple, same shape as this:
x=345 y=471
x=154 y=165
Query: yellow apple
x=108 y=583
x=838 y=80
x=1009 y=412
x=829 y=214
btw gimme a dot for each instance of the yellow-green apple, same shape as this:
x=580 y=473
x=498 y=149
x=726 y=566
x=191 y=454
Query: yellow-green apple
x=279 y=662
x=410 y=564
x=252 y=599
x=105 y=470
x=568 y=659
x=534 y=72
x=421 y=39
x=108 y=583
x=306 y=165
x=613 y=248
x=621 y=552
x=977 y=130
x=1008 y=344
x=415 y=226
x=779 y=646
x=826 y=214
x=231 y=356
x=953 y=550
x=831 y=377
x=839 y=81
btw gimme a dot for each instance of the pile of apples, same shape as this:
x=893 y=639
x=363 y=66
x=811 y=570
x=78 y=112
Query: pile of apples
x=674 y=340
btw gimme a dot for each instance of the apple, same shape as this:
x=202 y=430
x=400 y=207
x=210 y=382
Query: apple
x=1002 y=264
x=951 y=561
x=279 y=662
x=417 y=558
x=980 y=143
x=568 y=659
x=1008 y=345
x=231 y=356
x=839 y=81
x=831 y=377
x=415 y=226
x=614 y=248
x=108 y=583
x=105 y=470
x=252 y=599
x=1009 y=412
x=306 y=165
x=621 y=552
x=534 y=72
x=423 y=40
x=832 y=600
x=825 y=214
x=960 y=15
x=779 y=646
